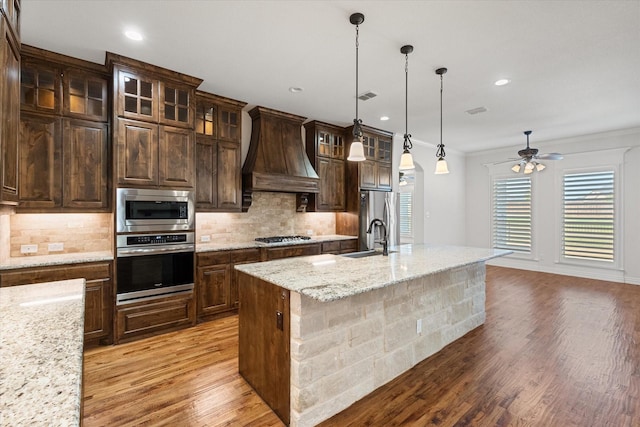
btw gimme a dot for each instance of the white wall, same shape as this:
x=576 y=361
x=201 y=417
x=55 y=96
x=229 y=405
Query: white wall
x=439 y=200
x=546 y=203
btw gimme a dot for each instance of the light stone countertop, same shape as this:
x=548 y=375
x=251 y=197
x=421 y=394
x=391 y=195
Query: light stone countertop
x=41 y=340
x=211 y=246
x=46 y=260
x=332 y=277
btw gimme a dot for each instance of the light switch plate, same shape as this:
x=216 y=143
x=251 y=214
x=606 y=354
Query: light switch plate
x=28 y=249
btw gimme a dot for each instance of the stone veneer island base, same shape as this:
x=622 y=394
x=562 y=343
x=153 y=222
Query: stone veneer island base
x=318 y=333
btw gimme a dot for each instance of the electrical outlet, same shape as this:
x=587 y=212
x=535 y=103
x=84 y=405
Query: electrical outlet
x=28 y=249
x=205 y=238
x=310 y=232
x=56 y=247
x=419 y=326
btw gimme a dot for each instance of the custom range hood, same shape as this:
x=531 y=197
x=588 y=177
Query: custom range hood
x=277 y=160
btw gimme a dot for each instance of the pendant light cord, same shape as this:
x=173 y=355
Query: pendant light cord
x=440 y=152
x=357 y=131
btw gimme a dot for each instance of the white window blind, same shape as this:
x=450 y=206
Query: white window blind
x=588 y=215
x=406 y=219
x=512 y=214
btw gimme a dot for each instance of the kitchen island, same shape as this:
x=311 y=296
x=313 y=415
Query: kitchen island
x=318 y=333
x=41 y=341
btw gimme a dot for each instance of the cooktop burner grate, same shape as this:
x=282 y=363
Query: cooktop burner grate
x=279 y=239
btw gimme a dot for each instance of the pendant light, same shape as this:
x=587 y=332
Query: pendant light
x=356 y=151
x=406 y=160
x=441 y=164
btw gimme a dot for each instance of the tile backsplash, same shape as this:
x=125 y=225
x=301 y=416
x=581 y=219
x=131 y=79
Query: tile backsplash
x=270 y=214
x=77 y=232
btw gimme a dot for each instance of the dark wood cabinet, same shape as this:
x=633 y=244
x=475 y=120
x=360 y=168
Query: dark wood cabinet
x=9 y=108
x=11 y=11
x=147 y=318
x=64 y=158
x=326 y=151
x=85 y=157
x=218 y=153
x=264 y=347
x=217 y=285
x=40 y=163
x=99 y=300
x=292 y=251
x=154 y=109
x=337 y=247
x=374 y=173
x=85 y=96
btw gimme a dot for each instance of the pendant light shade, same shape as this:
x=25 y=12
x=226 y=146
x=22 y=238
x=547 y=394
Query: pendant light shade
x=406 y=160
x=356 y=150
x=441 y=164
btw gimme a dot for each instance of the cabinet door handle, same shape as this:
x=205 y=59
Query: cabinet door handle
x=280 y=320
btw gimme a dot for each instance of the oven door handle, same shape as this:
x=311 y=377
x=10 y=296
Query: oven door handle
x=152 y=251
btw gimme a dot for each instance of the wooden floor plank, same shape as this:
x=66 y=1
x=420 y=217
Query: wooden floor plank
x=554 y=351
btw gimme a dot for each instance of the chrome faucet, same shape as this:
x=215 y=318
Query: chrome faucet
x=384 y=241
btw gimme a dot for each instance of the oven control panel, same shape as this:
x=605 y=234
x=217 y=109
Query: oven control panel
x=154 y=240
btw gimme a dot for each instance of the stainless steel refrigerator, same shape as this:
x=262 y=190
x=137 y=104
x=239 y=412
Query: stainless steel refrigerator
x=382 y=205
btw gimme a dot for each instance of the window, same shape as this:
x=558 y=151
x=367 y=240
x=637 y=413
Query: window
x=406 y=220
x=512 y=214
x=588 y=216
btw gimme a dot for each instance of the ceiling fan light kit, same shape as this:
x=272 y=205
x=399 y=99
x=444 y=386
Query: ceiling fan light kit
x=530 y=158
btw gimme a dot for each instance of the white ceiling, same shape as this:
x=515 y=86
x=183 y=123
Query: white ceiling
x=574 y=65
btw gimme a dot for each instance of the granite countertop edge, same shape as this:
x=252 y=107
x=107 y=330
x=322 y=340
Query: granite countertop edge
x=333 y=277
x=61 y=259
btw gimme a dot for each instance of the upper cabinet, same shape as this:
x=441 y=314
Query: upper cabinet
x=326 y=151
x=9 y=109
x=374 y=173
x=63 y=160
x=218 y=153
x=154 y=118
x=11 y=11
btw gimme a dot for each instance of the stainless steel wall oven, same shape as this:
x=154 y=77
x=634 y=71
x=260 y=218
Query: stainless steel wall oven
x=154 y=265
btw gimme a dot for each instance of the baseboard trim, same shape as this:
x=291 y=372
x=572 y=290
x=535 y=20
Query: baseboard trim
x=566 y=270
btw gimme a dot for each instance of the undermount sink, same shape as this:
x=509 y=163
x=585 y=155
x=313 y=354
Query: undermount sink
x=364 y=254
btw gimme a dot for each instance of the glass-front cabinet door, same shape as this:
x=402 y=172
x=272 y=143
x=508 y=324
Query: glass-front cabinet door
x=229 y=124
x=39 y=88
x=85 y=95
x=137 y=96
x=176 y=105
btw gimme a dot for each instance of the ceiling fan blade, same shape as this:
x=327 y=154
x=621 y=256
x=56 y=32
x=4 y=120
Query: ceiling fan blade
x=507 y=161
x=550 y=156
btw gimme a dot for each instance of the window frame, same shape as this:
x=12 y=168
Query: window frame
x=531 y=255
x=594 y=161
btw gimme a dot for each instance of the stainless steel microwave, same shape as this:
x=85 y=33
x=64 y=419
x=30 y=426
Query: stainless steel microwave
x=144 y=210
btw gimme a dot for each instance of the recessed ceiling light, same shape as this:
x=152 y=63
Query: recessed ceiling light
x=384 y=118
x=133 y=35
x=502 y=82
x=294 y=89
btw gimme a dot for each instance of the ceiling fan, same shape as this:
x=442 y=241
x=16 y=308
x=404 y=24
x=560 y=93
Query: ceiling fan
x=530 y=160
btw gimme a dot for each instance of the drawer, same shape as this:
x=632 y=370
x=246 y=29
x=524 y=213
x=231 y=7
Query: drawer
x=293 y=251
x=347 y=246
x=332 y=247
x=213 y=258
x=245 y=255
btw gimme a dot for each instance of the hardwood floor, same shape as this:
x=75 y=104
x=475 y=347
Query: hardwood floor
x=554 y=351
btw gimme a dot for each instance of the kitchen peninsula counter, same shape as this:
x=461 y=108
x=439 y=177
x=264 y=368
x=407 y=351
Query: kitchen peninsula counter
x=41 y=342
x=318 y=333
